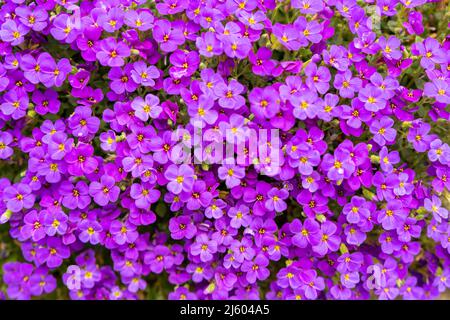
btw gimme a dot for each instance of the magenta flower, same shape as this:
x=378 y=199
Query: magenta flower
x=184 y=64
x=275 y=200
x=256 y=269
x=392 y=216
x=12 y=32
x=144 y=195
x=168 y=37
x=18 y=196
x=229 y=95
x=80 y=160
x=383 y=131
x=112 y=53
x=148 y=108
x=104 y=191
x=5 y=150
x=180 y=178
x=182 y=227
x=34 y=227
x=232 y=174
x=123 y=232
x=143 y=74
x=75 y=196
x=329 y=241
x=83 y=123
x=204 y=247
x=306 y=233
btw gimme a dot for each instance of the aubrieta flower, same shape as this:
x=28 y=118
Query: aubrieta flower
x=180 y=178
x=333 y=184
x=150 y=107
x=104 y=191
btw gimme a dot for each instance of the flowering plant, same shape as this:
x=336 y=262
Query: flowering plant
x=224 y=149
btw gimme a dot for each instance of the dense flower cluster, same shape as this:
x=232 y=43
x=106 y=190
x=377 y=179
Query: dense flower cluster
x=93 y=92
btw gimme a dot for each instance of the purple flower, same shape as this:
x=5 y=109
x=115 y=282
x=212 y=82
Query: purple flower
x=90 y=231
x=53 y=253
x=306 y=233
x=64 y=28
x=184 y=64
x=261 y=63
x=347 y=84
x=144 y=195
x=148 y=108
x=431 y=53
x=236 y=46
x=383 y=131
x=180 y=178
x=311 y=284
x=229 y=95
x=418 y=135
x=109 y=141
x=122 y=80
x=182 y=227
x=275 y=199
x=83 y=123
x=159 y=259
x=414 y=23
x=355 y=209
x=80 y=160
x=33 y=17
x=123 y=232
x=12 y=32
x=46 y=102
x=390 y=47
x=5 y=150
x=15 y=104
x=34 y=226
x=340 y=166
x=232 y=174
x=168 y=37
x=317 y=77
x=256 y=269
x=329 y=241
x=393 y=216
x=204 y=248
x=112 y=53
x=438 y=89
x=104 y=191
x=142 y=19
x=388 y=159
x=75 y=196
x=18 y=196
x=373 y=98
x=55 y=222
x=143 y=74
x=433 y=205
x=239 y=216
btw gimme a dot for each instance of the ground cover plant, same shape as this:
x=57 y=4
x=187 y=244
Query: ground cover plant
x=224 y=149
